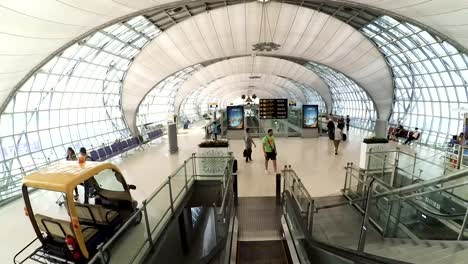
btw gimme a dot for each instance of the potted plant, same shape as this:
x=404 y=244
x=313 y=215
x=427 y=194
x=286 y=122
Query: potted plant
x=374 y=144
x=209 y=151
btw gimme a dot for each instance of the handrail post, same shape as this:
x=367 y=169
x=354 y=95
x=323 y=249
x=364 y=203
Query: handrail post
x=194 y=166
x=346 y=177
x=462 y=230
x=460 y=156
x=365 y=220
x=310 y=220
x=383 y=166
x=235 y=189
x=278 y=188
x=387 y=223
x=101 y=254
x=185 y=173
x=148 y=229
x=395 y=172
x=170 y=195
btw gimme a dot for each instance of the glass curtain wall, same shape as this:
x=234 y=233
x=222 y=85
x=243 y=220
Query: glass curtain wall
x=72 y=101
x=348 y=97
x=312 y=97
x=430 y=76
x=158 y=105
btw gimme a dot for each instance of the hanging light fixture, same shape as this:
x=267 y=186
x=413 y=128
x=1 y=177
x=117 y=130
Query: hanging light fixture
x=265 y=38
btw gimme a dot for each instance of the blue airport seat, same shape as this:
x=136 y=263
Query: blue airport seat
x=129 y=143
x=124 y=145
x=102 y=154
x=115 y=147
x=108 y=151
x=94 y=155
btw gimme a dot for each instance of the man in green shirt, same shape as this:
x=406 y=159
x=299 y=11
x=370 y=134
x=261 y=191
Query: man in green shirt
x=269 y=150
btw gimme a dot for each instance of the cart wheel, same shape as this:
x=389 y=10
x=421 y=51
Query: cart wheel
x=106 y=256
x=138 y=218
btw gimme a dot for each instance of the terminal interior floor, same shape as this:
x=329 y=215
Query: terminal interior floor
x=321 y=171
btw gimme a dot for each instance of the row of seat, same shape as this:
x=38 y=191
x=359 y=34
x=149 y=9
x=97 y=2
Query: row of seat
x=155 y=134
x=120 y=147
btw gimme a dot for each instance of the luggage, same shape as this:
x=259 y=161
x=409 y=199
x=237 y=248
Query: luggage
x=344 y=137
x=245 y=153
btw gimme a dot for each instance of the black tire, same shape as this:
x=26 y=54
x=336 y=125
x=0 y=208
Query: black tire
x=138 y=218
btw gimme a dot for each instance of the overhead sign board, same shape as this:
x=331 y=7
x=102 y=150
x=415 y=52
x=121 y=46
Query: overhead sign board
x=273 y=108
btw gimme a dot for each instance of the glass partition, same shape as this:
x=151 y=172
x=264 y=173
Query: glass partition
x=132 y=241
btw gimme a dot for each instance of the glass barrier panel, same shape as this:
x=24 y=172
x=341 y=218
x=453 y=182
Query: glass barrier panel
x=158 y=208
x=131 y=245
x=190 y=171
x=178 y=185
x=297 y=235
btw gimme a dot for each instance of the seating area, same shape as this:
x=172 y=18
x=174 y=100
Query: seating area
x=117 y=148
x=401 y=134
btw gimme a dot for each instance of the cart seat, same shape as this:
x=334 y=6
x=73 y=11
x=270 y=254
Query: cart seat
x=96 y=214
x=59 y=228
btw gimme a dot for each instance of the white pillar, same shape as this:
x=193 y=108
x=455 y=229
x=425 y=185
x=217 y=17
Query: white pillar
x=380 y=128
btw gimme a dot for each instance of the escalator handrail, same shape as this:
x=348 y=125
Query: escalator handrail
x=228 y=185
x=406 y=189
x=431 y=213
x=358 y=257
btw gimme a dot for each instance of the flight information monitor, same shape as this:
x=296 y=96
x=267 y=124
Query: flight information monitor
x=273 y=108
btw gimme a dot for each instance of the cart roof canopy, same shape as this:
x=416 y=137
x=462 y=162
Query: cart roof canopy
x=66 y=175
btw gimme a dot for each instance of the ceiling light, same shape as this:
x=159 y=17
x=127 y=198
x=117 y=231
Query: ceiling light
x=265 y=38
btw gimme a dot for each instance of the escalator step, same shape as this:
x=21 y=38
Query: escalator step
x=262 y=252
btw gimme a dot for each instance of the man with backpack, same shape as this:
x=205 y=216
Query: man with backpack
x=269 y=150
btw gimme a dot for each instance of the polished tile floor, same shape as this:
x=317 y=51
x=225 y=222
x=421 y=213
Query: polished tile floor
x=320 y=170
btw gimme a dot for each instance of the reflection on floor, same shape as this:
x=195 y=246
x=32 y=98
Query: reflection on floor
x=313 y=159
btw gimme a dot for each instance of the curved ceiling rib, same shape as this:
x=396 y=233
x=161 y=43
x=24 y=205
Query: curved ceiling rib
x=242 y=80
x=303 y=33
x=254 y=64
x=33 y=32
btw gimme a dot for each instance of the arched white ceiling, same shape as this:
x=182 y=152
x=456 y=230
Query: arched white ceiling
x=230 y=97
x=280 y=86
x=302 y=33
x=32 y=30
x=254 y=64
x=222 y=95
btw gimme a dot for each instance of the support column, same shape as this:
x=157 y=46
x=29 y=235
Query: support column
x=380 y=128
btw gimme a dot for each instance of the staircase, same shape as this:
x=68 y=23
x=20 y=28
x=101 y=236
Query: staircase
x=340 y=226
x=423 y=251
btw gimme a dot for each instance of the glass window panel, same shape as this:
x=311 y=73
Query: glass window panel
x=434 y=109
x=51 y=111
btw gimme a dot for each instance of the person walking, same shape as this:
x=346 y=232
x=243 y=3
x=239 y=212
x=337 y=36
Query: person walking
x=269 y=150
x=72 y=156
x=215 y=130
x=83 y=157
x=248 y=145
x=338 y=136
x=348 y=121
x=330 y=128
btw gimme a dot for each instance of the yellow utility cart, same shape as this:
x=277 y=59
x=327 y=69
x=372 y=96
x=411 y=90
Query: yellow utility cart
x=88 y=218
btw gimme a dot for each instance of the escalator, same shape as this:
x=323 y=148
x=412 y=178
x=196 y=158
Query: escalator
x=260 y=233
x=437 y=215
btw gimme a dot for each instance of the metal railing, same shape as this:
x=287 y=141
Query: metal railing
x=384 y=207
x=157 y=210
x=390 y=210
x=405 y=168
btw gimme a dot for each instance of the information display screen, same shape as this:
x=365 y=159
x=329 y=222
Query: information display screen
x=273 y=108
x=235 y=116
x=310 y=116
